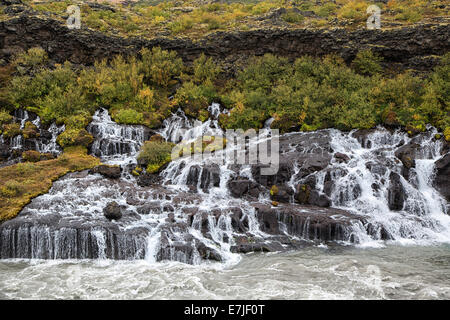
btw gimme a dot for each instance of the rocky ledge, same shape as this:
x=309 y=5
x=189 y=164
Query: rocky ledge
x=407 y=47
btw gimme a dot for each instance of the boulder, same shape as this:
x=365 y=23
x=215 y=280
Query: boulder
x=341 y=157
x=442 y=178
x=242 y=186
x=112 y=211
x=406 y=154
x=306 y=195
x=147 y=179
x=111 y=172
x=396 y=192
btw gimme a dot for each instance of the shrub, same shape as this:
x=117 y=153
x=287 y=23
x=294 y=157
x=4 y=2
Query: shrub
x=128 y=116
x=33 y=58
x=74 y=137
x=11 y=130
x=5 y=117
x=30 y=130
x=155 y=154
x=205 y=69
x=31 y=156
x=160 y=67
x=292 y=17
x=354 y=10
x=367 y=63
x=194 y=99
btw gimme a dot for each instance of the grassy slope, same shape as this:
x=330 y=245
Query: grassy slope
x=22 y=182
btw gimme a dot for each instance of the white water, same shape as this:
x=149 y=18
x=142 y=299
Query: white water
x=423 y=219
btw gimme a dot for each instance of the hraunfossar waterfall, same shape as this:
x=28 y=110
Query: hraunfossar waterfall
x=237 y=150
x=350 y=209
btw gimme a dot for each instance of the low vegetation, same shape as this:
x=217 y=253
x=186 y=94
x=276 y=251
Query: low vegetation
x=193 y=18
x=22 y=182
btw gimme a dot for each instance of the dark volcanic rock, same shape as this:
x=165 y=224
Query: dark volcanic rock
x=112 y=211
x=281 y=193
x=240 y=187
x=147 y=179
x=442 y=179
x=407 y=47
x=112 y=172
x=307 y=222
x=396 y=192
x=306 y=195
x=407 y=153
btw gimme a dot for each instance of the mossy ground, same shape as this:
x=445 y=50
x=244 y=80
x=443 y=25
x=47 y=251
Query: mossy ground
x=22 y=182
x=195 y=19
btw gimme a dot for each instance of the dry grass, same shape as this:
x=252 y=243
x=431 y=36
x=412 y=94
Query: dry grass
x=22 y=182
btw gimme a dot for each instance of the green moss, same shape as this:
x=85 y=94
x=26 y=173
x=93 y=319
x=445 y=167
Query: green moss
x=31 y=156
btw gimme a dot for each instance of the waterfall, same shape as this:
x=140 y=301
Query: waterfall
x=211 y=209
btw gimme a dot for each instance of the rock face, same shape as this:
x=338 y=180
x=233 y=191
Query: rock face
x=407 y=47
x=442 y=178
x=396 y=192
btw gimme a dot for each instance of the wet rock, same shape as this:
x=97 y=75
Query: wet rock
x=147 y=179
x=442 y=178
x=406 y=154
x=305 y=195
x=208 y=253
x=307 y=222
x=210 y=177
x=193 y=175
x=282 y=176
x=341 y=157
x=111 y=172
x=112 y=211
x=396 y=192
x=153 y=207
x=362 y=136
x=241 y=187
x=281 y=193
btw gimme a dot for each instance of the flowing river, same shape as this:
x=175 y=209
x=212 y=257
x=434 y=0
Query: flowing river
x=368 y=225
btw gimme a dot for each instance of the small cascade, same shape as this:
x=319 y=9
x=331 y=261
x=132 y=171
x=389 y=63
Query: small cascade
x=45 y=142
x=112 y=140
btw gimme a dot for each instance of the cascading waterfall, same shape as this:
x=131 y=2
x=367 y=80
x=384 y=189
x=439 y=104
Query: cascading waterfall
x=191 y=215
x=45 y=143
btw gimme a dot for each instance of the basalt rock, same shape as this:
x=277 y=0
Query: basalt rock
x=307 y=222
x=406 y=47
x=111 y=172
x=306 y=195
x=396 y=192
x=442 y=178
x=241 y=187
x=112 y=211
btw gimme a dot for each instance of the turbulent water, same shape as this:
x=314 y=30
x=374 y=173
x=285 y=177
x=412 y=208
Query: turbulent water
x=394 y=272
x=388 y=238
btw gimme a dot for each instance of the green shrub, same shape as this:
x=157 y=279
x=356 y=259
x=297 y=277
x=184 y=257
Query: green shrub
x=160 y=67
x=292 y=17
x=128 y=116
x=5 y=117
x=367 y=63
x=11 y=130
x=74 y=137
x=205 y=69
x=30 y=130
x=33 y=58
x=155 y=154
